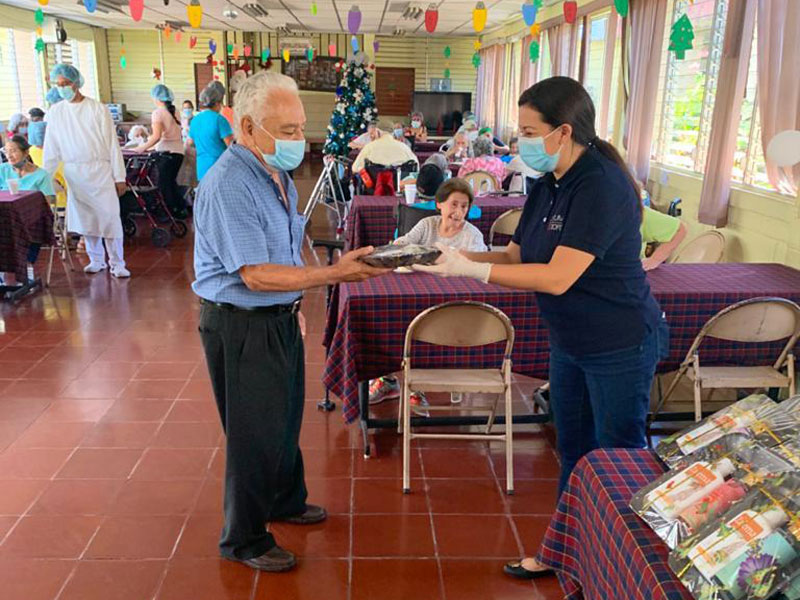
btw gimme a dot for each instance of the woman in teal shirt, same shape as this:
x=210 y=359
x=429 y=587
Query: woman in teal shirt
x=209 y=131
x=30 y=177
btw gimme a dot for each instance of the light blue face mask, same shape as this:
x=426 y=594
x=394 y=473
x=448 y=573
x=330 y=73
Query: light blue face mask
x=416 y=124
x=398 y=133
x=187 y=112
x=288 y=153
x=66 y=92
x=533 y=153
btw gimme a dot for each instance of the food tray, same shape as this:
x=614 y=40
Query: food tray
x=393 y=256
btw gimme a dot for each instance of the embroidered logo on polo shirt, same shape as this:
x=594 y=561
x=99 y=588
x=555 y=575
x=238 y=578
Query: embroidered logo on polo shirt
x=556 y=223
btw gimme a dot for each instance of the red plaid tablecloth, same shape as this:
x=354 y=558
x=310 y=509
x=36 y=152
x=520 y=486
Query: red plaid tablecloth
x=372 y=222
x=600 y=549
x=25 y=218
x=368 y=320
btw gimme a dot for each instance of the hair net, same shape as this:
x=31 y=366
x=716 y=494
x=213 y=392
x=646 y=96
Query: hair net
x=15 y=121
x=213 y=94
x=36 y=112
x=53 y=96
x=67 y=72
x=440 y=160
x=36 y=133
x=162 y=93
x=483 y=130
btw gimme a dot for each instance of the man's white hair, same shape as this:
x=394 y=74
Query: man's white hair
x=250 y=100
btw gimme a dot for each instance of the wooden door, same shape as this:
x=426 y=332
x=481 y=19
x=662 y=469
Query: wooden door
x=394 y=91
x=203 y=75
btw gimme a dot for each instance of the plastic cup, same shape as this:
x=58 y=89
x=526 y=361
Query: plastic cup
x=13 y=185
x=411 y=193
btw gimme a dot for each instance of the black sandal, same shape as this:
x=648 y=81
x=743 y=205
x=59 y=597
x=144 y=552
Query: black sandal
x=516 y=570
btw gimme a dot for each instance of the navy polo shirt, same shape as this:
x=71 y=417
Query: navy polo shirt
x=592 y=208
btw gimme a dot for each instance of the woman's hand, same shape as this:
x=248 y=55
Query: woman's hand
x=650 y=263
x=453 y=263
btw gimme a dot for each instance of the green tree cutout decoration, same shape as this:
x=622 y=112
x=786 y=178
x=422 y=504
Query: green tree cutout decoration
x=534 y=51
x=681 y=36
x=476 y=60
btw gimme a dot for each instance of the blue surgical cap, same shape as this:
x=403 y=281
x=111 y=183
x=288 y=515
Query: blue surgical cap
x=53 y=96
x=15 y=121
x=68 y=72
x=36 y=133
x=162 y=93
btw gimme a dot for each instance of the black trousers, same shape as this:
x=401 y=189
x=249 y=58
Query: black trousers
x=168 y=164
x=257 y=367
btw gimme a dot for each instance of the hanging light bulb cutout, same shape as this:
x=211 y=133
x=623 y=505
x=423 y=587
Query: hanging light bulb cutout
x=621 y=7
x=431 y=18
x=570 y=11
x=90 y=5
x=529 y=12
x=354 y=44
x=479 y=15
x=353 y=19
x=212 y=46
x=376 y=45
x=313 y=9
x=194 y=12
x=192 y=41
x=310 y=54
x=44 y=3
x=38 y=17
x=265 y=55
x=286 y=55
x=137 y=9
x=248 y=50
x=331 y=49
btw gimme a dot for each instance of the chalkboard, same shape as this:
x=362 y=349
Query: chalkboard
x=319 y=75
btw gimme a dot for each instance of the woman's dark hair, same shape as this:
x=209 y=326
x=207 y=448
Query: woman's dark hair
x=171 y=108
x=450 y=186
x=429 y=180
x=21 y=142
x=561 y=101
x=36 y=112
x=189 y=102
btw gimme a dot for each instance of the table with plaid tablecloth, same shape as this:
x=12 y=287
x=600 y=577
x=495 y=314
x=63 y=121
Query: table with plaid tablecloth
x=600 y=549
x=25 y=218
x=372 y=220
x=367 y=321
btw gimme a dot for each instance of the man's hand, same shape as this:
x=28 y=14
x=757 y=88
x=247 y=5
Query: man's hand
x=349 y=268
x=121 y=188
x=301 y=321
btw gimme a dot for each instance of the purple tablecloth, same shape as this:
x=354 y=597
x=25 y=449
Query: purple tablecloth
x=598 y=546
x=367 y=322
x=25 y=218
x=372 y=221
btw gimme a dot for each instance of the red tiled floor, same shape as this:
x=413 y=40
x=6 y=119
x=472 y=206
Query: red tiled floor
x=112 y=464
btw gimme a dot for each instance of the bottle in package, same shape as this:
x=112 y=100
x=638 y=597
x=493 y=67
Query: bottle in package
x=688 y=486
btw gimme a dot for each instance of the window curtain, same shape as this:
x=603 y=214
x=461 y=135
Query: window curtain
x=530 y=70
x=563 y=40
x=647 y=19
x=488 y=106
x=778 y=80
x=727 y=110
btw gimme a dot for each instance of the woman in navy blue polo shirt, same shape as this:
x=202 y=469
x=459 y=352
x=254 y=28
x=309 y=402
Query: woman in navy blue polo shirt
x=577 y=246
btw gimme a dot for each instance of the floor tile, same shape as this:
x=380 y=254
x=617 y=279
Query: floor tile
x=18 y=494
x=77 y=497
x=210 y=498
x=32 y=579
x=533 y=496
x=6 y=523
x=94 y=388
x=126 y=409
x=333 y=494
x=469 y=496
x=32 y=463
x=121 y=371
x=156 y=498
x=53 y=435
x=173 y=464
x=100 y=463
x=531 y=531
x=136 y=537
x=22 y=409
x=330 y=539
x=456 y=462
x=386 y=496
x=165 y=370
x=48 y=536
x=395 y=579
x=328 y=463
x=188 y=435
x=207 y=579
x=475 y=536
x=312 y=579
x=194 y=410
x=482 y=579
x=64 y=411
x=114 y=580
x=400 y=535
x=120 y=435
x=200 y=536
x=33 y=388
x=151 y=388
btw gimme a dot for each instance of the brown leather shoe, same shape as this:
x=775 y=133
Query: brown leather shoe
x=275 y=560
x=313 y=514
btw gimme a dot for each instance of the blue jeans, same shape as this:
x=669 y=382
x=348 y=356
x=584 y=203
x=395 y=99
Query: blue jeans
x=601 y=400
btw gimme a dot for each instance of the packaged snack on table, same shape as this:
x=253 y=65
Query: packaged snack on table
x=751 y=551
x=706 y=484
x=740 y=416
x=392 y=256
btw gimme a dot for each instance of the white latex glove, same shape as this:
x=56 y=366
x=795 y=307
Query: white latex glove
x=454 y=264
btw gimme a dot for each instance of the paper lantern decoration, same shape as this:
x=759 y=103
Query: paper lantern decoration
x=479 y=15
x=622 y=7
x=431 y=18
x=192 y=41
x=313 y=9
x=310 y=54
x=353 y=19
x=570 y=11
x=681 y=36
x=195 y=13
x=534 y=51
x=44 y=3
x=265 y=55
x=212 y=46
x=167 y=30
x=476 y=60
x=178 y=36
x=39 y=17
x=447 y=73
x=248 y=50
x=137 y=9
x=535 y=29
x=123 y=62
x=354 y=43
x=39 y=45
x=331 y=49
x=477 y=45
x=38 y=32
x=91 y=5
x=235 y=54
x=529 y=12
x=376 y=46
x=447 y=52
x=286 y=55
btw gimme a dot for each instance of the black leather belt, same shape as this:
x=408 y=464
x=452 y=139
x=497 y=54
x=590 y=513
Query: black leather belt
x=275 y=309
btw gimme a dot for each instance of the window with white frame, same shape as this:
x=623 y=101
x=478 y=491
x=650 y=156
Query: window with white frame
x=601 y=78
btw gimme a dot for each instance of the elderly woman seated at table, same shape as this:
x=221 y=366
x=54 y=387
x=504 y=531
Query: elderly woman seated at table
x=386 y=151
x=460 y=149
x=21 y=174
x=417 y=129
x=137 y=136
x=484 y=160
x=372 y=133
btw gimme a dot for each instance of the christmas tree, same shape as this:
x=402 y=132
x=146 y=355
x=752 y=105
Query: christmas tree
x=681 y=36
x=355 y=107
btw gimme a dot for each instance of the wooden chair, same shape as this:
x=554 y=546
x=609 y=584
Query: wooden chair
x=756 y=320
x=505 y=224
x=481 y=182
x=443 y=325
x=707 y=247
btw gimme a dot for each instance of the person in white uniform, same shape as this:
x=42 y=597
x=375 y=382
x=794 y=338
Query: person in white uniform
x=81 y=135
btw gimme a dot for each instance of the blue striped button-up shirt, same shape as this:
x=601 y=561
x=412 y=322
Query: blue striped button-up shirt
x=240 y=219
